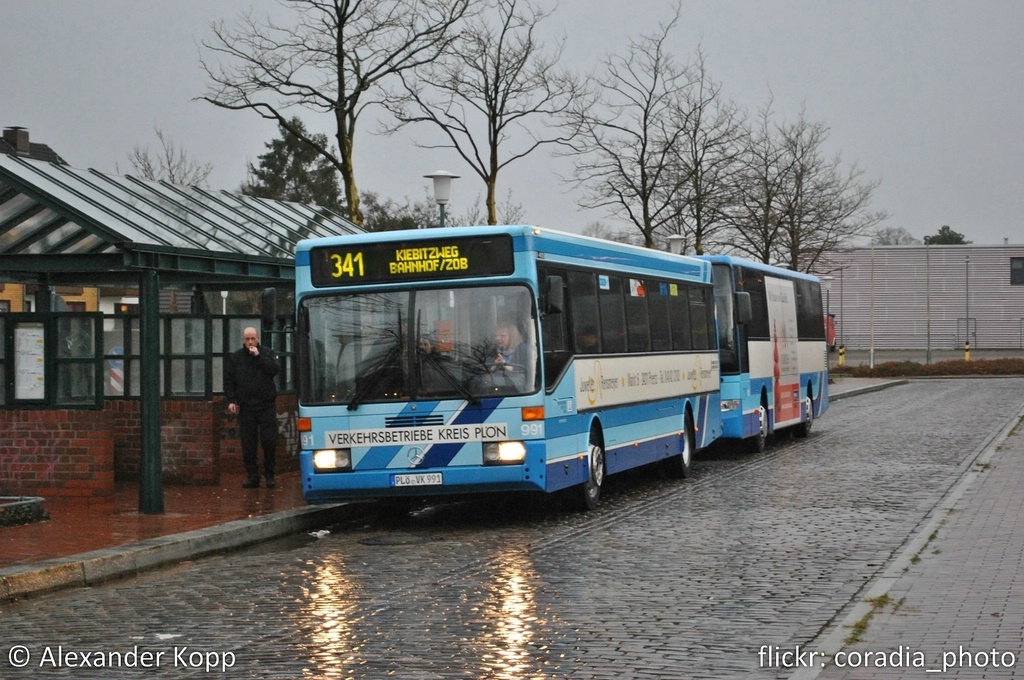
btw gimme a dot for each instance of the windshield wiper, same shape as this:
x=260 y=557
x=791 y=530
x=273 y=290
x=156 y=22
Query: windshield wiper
x=373 y=380
x=449 y=377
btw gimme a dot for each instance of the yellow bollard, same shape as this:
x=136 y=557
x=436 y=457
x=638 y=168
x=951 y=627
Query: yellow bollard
x=967 y=351
x=842 y=356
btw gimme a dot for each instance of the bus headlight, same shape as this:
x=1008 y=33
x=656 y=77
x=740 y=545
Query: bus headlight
x=504 y=453
x=730 y=404
x=332 y=460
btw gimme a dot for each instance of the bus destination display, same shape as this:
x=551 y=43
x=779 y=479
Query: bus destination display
x=411 y=261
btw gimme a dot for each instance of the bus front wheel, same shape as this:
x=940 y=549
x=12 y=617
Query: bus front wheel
x=589 y=493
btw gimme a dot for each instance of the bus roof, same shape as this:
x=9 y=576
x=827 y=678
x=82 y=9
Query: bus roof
x=558 y=246
x=733 y=261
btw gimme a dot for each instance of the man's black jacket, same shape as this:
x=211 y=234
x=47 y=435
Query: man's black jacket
x=249 y=380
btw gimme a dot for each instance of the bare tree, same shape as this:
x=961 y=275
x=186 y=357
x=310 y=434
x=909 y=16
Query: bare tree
x=172 y=163
x=894 y=236
x=755 y=222
x=706 y=160
x=794 y=202
x=332 y=60
x=598 y=229
x=625 y=135
x=822 y=206
x=483 y=92
x=509 y=212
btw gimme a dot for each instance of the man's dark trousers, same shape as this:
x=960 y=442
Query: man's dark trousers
x=258 y=426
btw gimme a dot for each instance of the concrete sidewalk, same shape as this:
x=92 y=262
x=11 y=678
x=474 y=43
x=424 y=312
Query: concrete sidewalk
x=87 y=541
x=952 y=602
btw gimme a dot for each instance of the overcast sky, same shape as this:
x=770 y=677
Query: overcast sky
x=926 y=96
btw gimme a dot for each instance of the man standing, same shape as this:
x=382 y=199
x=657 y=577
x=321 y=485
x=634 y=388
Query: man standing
x=252 y=395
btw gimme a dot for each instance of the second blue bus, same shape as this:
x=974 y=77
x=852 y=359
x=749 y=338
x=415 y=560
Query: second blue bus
x=773 y=349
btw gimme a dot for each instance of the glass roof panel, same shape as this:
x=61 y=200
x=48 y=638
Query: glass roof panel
x=315 y=221
x=69 y=188
x=282 y=232
x=53 y=208
x=135 y=213
x=42 y=231
x=15 y=206
x=166 y=207
x=259 y=235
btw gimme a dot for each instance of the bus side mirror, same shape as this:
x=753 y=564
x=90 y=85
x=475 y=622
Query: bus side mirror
x=553 y=295
x=743 y=311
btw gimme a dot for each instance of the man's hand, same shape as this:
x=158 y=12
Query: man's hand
x=233 y=409
x=254 y=351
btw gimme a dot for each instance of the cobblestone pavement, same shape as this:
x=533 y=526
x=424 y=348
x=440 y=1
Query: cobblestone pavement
x=952 y=603
x=667 y=579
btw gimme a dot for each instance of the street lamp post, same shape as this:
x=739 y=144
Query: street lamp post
x=967 y=307
x=871 y=309
x=927 y=305
x=830 y=324
x=442 y=190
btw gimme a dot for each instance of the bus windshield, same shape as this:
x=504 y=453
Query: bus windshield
x=465 y=343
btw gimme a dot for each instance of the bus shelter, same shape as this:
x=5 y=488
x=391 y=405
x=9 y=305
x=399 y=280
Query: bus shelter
x=63 y=227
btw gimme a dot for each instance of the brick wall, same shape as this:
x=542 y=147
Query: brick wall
x=56 y=453
x=287 y=441
x=81 y=452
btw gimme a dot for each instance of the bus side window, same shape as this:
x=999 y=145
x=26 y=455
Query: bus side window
x=657 y=300
x=679 y=318
x=583 y=304
x=554 y=333
x=699 y=314
x=638 y=327
x=613 y=314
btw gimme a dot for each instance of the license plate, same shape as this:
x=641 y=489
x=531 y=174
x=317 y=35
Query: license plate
x=418 y=479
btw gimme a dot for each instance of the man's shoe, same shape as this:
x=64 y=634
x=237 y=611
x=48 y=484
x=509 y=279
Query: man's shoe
x=271 y=483
x=251 y=483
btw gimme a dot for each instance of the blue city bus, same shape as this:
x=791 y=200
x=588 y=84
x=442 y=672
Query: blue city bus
x=608 y=361
x=773 y=349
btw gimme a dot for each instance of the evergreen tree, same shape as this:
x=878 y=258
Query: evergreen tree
x=946 y=237
x=293 y=170
x=388 y=215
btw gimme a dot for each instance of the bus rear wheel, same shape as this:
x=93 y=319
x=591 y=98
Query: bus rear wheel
x=588 y=494
x=759 y=442
x=680 y=466
x=804 y=428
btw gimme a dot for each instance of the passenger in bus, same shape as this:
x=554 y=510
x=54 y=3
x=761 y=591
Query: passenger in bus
x=510 y=351
x=435 y=367
x=586 y=341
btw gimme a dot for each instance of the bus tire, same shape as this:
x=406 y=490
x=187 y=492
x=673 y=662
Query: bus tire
x=804 y=428
x=588 y=494
x=681 y=465
x=759 y=442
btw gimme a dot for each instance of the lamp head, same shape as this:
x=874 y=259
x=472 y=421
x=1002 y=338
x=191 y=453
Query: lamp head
x=442 y=185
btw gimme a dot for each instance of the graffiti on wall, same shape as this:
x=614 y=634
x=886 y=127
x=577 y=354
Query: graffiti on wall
x=31 y=460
